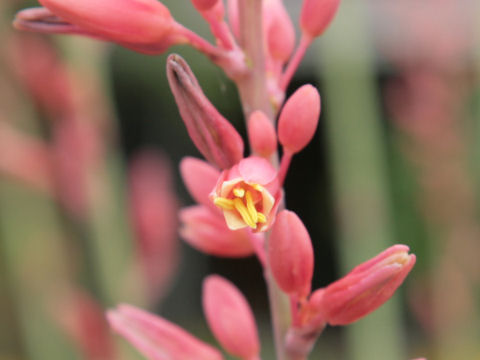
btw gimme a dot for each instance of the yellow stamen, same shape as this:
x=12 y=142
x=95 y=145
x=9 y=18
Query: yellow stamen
x=243 y=211
x=251 y=207
x=224 y=203
x=261 y=218
x=239 y=192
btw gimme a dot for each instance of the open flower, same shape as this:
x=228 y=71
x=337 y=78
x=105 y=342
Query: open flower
x=248 y=194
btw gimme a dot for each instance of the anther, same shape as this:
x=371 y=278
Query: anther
x=251 y=207
x=243 y=211
x=224 y=203
x=239 y=192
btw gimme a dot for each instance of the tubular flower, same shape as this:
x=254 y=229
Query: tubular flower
x=364 y=289
x=142 y=25
x=248 y=194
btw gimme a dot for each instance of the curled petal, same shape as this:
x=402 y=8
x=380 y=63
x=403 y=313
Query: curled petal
x=206 y=231
x=200 y=178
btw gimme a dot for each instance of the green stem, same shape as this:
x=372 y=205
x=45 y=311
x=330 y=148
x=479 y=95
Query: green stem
x=359 y=172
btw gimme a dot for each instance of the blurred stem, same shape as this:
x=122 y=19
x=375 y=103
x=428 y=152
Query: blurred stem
x=254 y=96
x=359 y=172
x=10 y=337
x=107 y=223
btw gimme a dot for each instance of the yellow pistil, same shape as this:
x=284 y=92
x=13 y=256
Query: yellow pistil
x=244 y=213
x=251 y=207
x=224 y=203
x=239 y=192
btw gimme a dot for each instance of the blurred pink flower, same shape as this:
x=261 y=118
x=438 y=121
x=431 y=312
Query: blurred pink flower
x=84 y=321
x=153 y=211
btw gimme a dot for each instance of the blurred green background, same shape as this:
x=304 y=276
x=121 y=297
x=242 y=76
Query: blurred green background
x=396 y=159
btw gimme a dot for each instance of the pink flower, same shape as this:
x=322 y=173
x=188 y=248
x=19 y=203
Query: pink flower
x=364 y=289
x=84 y=322
x=230 y=317
x=248 y=194
x=203 y=226
x=157 y=338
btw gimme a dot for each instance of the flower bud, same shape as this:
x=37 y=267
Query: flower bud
x=200 y=178
x=248 y=194
x=206 y=231
x=128 y=21
x=290 y=254
x=204 y=5
x=299 y=119
x=261 y=134
x=157 y=338
x=364 y=289
x=230 y=317
x=212 y=134
x=279 y=30
x=316 y=15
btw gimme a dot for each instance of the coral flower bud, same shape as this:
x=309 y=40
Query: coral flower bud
x=290 y=254
x=213 y=135
x=157 y=338
x=365 y=288
x=299 y=119
x=279 y=29
x=128 y=21
x=206 y=231
x=200 y=178
x=316 y=15
x=230 y=317
x=261 y=134
x=203 y=5
x=248 y=194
